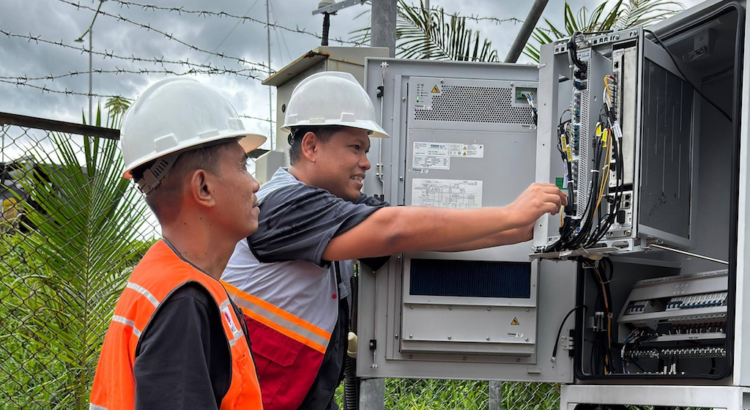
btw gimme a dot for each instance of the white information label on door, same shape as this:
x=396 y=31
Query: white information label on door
x=446 y=193
x=431 y=155
x=437 y=155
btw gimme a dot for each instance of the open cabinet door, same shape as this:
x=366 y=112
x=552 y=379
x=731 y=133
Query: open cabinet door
x=462 y=135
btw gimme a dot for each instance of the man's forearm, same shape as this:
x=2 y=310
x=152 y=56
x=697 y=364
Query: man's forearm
x=412 y=229
x=509 y=237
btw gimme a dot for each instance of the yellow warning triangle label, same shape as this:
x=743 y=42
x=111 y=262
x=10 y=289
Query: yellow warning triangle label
x=435 y=90
x=515 y=322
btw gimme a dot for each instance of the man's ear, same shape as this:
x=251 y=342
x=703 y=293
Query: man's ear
x=202 y=188
x=310 y=146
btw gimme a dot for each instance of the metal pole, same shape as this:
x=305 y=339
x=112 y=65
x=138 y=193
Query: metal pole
x=91 y=49
x=383 y=25
x=372 y=391
x=270 y=97
x=526 y=29
x=694 y=255
x=429 y=26
x=496 y=395
x=2 y=150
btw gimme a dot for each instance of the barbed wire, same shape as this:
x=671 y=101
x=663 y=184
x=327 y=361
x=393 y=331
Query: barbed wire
x=250 y=117
x=117 y=70
x=206 y=13
x=168 y=35
x=70 y=92
x=110 y=54
x=66 y=91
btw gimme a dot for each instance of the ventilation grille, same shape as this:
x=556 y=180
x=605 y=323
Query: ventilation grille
x=475 y=104
x=430 y=277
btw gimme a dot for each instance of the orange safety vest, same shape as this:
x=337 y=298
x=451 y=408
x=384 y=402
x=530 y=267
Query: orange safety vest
x=160 y=273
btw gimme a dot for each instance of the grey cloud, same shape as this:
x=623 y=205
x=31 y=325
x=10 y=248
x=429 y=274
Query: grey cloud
x=56 y=21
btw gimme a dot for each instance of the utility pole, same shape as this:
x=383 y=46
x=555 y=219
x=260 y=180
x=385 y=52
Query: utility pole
x=270 y=98
x=91 y=73
x=383 y=25
x=90 y=31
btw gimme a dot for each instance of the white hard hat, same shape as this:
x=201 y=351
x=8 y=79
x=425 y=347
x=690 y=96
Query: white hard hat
x=331 y=98
x=174 y=115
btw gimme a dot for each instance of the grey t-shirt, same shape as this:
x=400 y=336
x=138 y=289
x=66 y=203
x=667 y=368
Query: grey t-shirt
x=297 y=222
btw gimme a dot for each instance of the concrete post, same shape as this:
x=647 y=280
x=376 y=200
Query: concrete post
x=383 y=25
x=496 y=395
x=372 y=391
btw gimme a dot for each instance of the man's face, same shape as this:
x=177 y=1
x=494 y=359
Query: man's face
x=342 y=162
x=236 y=208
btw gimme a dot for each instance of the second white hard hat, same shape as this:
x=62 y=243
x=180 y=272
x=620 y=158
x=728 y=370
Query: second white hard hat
x=178 y=114
x=331 y=98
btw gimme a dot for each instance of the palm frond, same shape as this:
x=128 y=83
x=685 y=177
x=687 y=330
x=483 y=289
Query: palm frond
x=433 y=34
x=622 y=14
x=84 y=238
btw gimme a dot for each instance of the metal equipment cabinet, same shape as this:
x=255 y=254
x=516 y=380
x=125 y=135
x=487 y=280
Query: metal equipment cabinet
x=463 y=136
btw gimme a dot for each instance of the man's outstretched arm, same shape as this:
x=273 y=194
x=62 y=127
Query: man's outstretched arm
x=395 y=230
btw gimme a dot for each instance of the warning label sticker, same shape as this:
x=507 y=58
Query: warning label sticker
x=446 y=193
x=515 y=322
x=466 y=151
x=435 y=90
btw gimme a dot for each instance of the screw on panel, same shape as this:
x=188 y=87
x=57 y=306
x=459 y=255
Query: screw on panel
x=403 y=99
x=449 y=338
x=488 y=339
x=401 y=178
x=518 y=360
x=488 y=309
x=527 y=309
x=527 y=339
x=450 y=307
x=411 y=356
x=396 y=336
x=464 y=358
x=410 y=336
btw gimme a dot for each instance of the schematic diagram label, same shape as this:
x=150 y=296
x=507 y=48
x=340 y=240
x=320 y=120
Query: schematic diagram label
x=446 y=193
x=437 y=155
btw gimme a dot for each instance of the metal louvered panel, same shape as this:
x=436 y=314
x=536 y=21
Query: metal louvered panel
x=475 y=104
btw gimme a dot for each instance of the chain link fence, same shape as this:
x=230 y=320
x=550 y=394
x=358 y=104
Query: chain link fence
x=71 y=232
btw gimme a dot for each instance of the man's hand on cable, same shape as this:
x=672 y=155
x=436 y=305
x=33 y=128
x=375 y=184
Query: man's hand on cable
x=535 y=201
x=405 y=229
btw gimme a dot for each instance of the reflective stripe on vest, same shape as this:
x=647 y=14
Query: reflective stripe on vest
x=280 y=320
x=160 y=273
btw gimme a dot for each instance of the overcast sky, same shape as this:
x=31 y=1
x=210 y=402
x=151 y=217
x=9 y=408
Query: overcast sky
x=55 y=20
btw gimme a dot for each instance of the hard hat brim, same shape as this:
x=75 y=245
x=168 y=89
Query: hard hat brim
x=248 y=142
x=251 y=142
x=376 y=131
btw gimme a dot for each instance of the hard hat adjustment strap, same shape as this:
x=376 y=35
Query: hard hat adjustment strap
x=153 y=176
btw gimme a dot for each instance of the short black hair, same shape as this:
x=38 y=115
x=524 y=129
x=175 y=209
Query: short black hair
x=298 y=133
x=161 y=200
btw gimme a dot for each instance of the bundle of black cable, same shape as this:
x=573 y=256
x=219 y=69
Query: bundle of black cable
x=603 y=349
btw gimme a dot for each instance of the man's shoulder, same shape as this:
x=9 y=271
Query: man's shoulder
x=192 y=291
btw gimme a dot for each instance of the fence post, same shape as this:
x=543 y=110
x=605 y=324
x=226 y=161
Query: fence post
x=372 y=394
x=496 y=395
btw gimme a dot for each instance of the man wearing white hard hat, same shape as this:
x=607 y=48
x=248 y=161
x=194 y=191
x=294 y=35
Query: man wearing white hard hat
x=176 y=341
x=291 y=278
